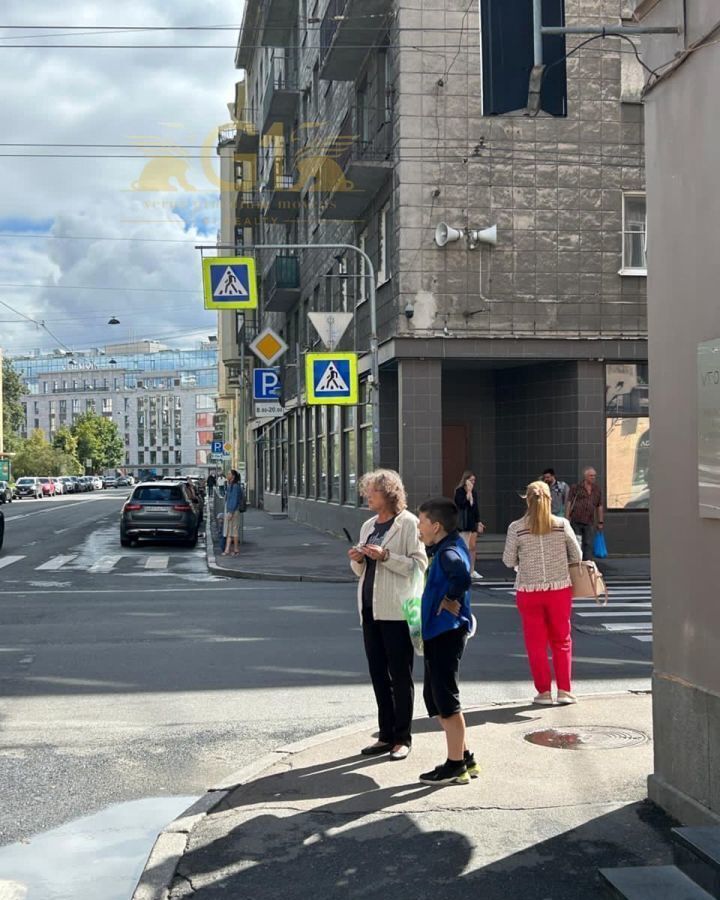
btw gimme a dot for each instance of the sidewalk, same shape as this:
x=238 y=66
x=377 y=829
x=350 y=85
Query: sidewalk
x=289 y=551
x=318 y=820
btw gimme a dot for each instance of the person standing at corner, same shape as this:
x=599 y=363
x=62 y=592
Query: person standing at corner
x=541 y=547
x=559 y=491
x=585 y=510
x=210 y=483
x=389 y=560
x=233 y=501
x=466 y=500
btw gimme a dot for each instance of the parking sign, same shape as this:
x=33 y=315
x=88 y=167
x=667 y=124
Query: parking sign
x=266 y=384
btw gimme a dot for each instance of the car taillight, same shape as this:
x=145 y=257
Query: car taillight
x=182 y=507
x=132 y=507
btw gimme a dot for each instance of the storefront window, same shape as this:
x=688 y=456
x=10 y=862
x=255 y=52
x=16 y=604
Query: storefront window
x=310 y=479
x=300 y=452
x=292 y=487
x=323 y=453
x=334 y=422
x=627 y=436
x=366 y=430
x=349 y=454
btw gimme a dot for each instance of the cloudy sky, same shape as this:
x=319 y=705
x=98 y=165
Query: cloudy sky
x=135 y=98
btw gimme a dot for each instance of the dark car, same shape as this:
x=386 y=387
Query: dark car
x=2 y=528
x=6 y=494
x=159 y=510
x=29 y=487
x=195 y=498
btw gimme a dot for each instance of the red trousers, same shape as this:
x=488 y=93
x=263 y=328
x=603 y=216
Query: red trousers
x=546 y=620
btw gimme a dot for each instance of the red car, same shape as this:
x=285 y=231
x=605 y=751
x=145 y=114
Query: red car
x=48 y=487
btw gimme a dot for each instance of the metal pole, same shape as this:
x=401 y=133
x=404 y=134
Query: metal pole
x=537 y=32
x=2 y=435
x=610 y=30
x=374 y=346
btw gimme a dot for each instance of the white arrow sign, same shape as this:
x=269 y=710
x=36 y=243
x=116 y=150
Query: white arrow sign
x=331 y=326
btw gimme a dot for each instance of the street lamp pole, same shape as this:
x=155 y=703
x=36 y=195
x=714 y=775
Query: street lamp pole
x=372 y=297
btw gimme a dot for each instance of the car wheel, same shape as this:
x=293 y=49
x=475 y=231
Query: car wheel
x=192 y=542
x=124 y=539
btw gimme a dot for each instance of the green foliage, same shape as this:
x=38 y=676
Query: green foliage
x=13 y=389
x=66 y=442
x=98 y=439
x=35 y=456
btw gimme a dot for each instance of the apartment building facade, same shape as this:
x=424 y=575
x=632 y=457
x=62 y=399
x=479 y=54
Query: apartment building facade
x=370 y=124
x=162 y=401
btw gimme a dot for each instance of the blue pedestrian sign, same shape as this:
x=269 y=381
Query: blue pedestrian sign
x=332 y=378
x=266 y=384
x=230 y=283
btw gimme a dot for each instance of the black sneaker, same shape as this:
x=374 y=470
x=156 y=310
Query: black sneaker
x=472 y=767
x=447 y=773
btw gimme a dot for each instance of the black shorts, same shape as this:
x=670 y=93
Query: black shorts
x=442 y=664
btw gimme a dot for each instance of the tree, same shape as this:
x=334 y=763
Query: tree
x=13 y=389
x=34 y=456
x=65 y=441
x=98 y=440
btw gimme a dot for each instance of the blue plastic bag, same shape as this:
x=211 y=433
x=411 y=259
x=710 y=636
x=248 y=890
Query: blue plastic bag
x=599 y=546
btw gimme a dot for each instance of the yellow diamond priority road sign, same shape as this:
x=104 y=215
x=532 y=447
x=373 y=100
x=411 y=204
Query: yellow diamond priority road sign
x=230 y=283
x=268 y=346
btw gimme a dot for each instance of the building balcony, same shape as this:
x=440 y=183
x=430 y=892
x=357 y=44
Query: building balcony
x=278 y=20
x=281 y=198
x=243 y=134
x=349 y=28
x=282 y=95
x=247 y=210
x=282 y=284
x=356 y=169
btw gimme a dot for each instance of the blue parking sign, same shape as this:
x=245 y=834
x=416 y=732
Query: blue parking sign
x=217 y=448
x=266 y=384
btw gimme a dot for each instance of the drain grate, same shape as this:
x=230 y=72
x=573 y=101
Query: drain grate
x=588 y=737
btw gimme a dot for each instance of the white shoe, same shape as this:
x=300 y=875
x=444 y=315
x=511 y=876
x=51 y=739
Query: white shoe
x=544 y=699
x=476 y=576
x=565 y=698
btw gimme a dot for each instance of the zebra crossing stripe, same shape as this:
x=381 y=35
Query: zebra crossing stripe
x=613 y=614
x=645 y=638
x=57 y=562
x=105 y=565
x=9 y=560
x=157 y=562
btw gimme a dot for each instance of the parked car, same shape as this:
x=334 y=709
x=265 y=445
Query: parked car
x=125 y=481
x=159 y=510
x=69 y=484
x=97 y=483
x=195 y=498
x=29 y=487
x=6 y=494
x=59 y=486
x=86 y=483
x=47 y=485
x=109 y=481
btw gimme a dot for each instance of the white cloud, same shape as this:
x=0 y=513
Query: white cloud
x=139 y=97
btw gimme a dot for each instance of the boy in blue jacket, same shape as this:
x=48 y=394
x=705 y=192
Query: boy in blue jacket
x=446 y=624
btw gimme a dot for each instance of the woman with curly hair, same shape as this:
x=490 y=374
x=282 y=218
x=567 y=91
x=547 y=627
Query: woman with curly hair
x=388 y=559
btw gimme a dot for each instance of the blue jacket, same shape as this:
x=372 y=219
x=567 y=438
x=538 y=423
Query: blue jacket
x=448 y=575
x=233 y=496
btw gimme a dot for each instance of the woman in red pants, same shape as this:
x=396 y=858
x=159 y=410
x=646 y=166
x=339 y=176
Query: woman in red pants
x=540 y=547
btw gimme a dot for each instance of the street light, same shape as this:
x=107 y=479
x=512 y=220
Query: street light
x=114 y=321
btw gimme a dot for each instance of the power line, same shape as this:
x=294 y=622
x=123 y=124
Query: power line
x=89 y=287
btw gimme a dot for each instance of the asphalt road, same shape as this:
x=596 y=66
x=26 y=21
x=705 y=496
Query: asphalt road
x=127 y=674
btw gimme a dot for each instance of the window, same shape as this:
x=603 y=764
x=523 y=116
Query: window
x=634 y=259
x=335 y=473
x=323 y=481
x=627 y=436
x=362 y=294
x=383 y=274
x=507 y=56
x=366 y=430
x=343 y=278
x=349 y=453
x=310 y=480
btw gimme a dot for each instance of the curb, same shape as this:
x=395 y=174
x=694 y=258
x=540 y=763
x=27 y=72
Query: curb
x=217 y=569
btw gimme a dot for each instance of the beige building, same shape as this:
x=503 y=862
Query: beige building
x=682 y=116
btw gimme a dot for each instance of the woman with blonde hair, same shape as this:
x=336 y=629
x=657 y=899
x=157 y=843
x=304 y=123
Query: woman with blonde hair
x=540 y=547
x=389 y=560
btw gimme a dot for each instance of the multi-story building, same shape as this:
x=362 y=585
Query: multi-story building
x=372 y=123
x=162 y=400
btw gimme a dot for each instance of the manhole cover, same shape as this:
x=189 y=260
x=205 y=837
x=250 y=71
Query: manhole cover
x=588 y=737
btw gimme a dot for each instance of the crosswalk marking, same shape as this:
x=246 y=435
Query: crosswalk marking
x=629 y=601
x=628 y=627
x=157 y=562
x=644 y=638
x=582 y=604
x=9 y=560
x=615 y=613
x=105 y=565
x=57 y=562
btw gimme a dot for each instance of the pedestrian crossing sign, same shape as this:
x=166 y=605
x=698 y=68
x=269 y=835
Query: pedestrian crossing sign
x=230 y=283
x=332 y=379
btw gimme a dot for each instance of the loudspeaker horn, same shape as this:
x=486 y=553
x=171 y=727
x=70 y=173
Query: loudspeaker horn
x=485 y=236
x=445 y=234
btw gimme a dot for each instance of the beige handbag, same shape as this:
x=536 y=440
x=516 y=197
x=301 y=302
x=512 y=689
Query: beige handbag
x=587 y=581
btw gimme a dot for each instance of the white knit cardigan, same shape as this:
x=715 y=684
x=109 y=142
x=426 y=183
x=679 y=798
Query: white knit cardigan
x=400 y=578
x=541 y=560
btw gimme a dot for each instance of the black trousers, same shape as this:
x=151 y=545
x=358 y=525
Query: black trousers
x=586 y=533
x=390 y=656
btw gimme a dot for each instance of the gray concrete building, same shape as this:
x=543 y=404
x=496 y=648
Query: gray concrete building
x=371 y=124
x=684 y=209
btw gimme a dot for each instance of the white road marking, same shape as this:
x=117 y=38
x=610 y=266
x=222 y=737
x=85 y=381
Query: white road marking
x=157 y=562
x=630 y=605
x=628 y=627
x=57 y=562
x=174 y=590
x=612 y=614
x=9 y=560
x=105 y=565
x=645 y=638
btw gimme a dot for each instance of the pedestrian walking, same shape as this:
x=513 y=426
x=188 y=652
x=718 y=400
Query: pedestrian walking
x=446 y=624
x=211 y=482
x=585 y=510
x=540 y=547
x=390 y=560
x=559 y=491
x=233 y=503
x=466 y=500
